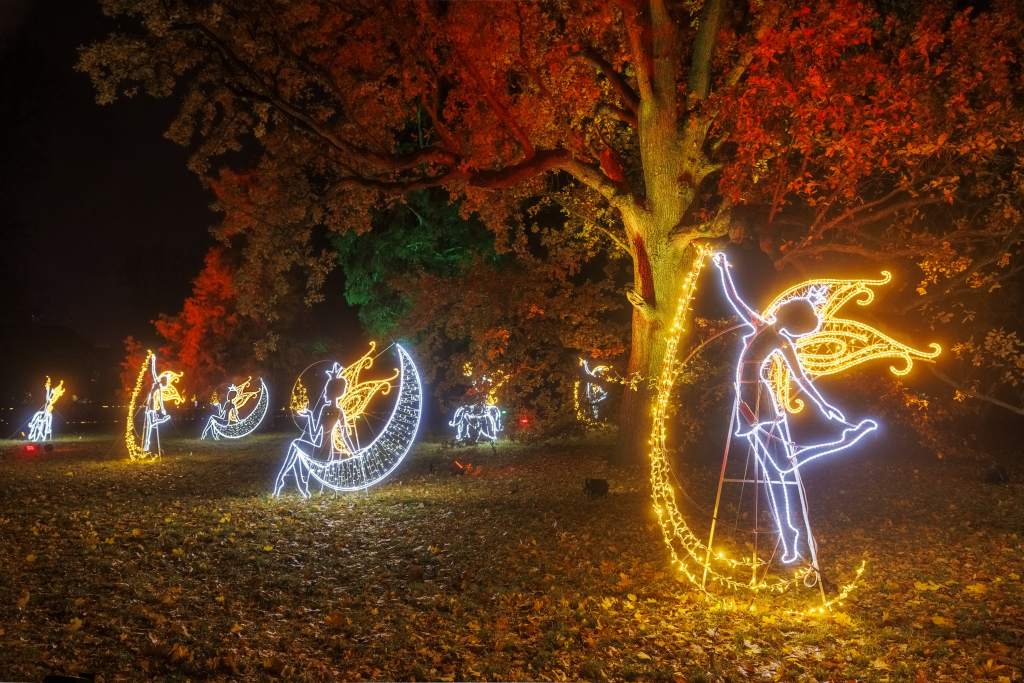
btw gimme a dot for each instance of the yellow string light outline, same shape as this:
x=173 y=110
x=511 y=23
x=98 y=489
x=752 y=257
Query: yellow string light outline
x=494 y=382
x=58 y=391
x=242 y=397
x=357 y=396
x=689 y=553
x=168 y=392
x=135 y=451
x=299 y=401
x=840 y=343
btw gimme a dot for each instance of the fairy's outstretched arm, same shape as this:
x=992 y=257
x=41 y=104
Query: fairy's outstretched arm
x=746 y=313
x=796 y=371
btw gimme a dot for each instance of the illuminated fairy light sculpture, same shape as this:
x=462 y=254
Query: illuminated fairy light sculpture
x=479 y=421
x=162 y=390
x=40 y=427
x=226 y=422
x=328 y=452
x=780 y=356
x=588 y=402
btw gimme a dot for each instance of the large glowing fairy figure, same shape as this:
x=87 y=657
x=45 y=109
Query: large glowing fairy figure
x=162 y=391
x=329 y=451
x=40 y=427
x=226 y=422
x=798 y=335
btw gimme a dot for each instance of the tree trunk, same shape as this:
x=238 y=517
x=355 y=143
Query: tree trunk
x=659 y=272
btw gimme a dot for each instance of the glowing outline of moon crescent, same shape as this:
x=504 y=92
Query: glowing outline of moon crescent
x=135 y=451
x=262 y=405
x=409 y=389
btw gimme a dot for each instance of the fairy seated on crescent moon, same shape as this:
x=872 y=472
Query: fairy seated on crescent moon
x=227 y=413
x=328 y=434
x=758 y=413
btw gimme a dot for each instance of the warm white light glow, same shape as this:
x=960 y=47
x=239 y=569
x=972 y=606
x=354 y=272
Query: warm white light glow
x=328 y=455
x=225 y=423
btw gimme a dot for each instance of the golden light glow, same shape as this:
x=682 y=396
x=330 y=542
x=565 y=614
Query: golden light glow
x=299 y=399
x=135 y=451
x=690 y=555
x=242 y=397
x=58 y=391
x=168 y=392
x=840 y=343
x=358 y=395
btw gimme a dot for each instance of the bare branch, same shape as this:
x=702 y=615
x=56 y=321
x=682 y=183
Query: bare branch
x=968 y=391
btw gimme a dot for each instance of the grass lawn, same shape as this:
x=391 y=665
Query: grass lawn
x=187 y=569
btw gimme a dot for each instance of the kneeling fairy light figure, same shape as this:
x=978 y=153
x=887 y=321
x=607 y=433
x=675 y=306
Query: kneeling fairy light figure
x=476 y=422
x=40 y=427
x=328 y=452
x=226 y=422
x=161 y=391
x=481 y=420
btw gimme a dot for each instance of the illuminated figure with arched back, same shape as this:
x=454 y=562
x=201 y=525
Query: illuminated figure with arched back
x=759 y=414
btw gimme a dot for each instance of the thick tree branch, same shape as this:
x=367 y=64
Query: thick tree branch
x=638 y=30
x=259 y=90
x=838 y=223
x=703 y=46
x=615 y=79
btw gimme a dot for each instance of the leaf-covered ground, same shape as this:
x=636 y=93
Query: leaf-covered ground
x=188 y=569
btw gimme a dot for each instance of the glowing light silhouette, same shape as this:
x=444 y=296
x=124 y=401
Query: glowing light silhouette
x=226 y=422
x=328 y=452
x=476 y=422
x=691 y=556
x=161 y=391
x=587 y=403
x=40 y=427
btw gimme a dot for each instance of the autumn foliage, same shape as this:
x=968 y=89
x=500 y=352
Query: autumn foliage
x=197 y=339
x=852 y=131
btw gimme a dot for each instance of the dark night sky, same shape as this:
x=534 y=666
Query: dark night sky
x=103 y=225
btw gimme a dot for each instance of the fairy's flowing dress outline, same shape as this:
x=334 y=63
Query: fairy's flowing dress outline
x=763 y=421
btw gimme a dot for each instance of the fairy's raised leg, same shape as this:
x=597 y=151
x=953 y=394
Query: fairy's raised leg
x=850 y=435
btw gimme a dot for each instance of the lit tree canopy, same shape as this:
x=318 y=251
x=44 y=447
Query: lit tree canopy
x=818 y=128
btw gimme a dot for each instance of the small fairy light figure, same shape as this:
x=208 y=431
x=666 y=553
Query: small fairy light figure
x=226 y=413
x=41 y=425
x=594 y=392
x=162 y=390
x=761 y=416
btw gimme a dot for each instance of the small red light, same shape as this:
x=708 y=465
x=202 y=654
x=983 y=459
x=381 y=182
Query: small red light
x=31 y=448
x=524 y=421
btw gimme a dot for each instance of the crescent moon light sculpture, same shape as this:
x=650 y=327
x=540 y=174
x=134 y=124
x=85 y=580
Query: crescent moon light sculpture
x=327 y=453
x=832 y=346
x=161 y=391
x=226 y=424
